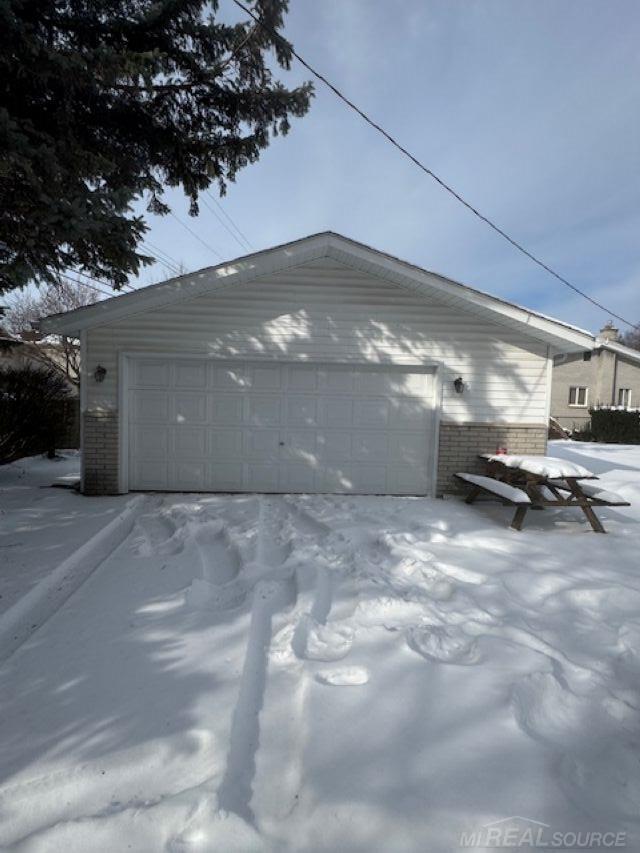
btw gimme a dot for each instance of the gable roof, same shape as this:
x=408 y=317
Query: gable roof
x=620 y=349
x=338 y=248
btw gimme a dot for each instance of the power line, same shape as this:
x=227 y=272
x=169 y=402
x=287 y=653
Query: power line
x=193 y=234
x=165 y=260
x=76 y=281
x=228 y=217
x=97 y=280
x=244 y=246
x=161 y=252
x=425 y=169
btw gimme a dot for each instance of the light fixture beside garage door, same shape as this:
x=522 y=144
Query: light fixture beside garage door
x=99 y=373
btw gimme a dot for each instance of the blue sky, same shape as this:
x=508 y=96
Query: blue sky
x=529 y=108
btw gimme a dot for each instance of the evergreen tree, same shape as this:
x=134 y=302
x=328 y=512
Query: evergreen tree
x=103 y=102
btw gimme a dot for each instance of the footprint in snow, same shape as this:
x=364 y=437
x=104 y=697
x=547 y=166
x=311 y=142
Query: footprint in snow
x=346 y=676
x=314 y=641
x=218 y=553
x=156 y=535
x=442 y=645
x=203 y=595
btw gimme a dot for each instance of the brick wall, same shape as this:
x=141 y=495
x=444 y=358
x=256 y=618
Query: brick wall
x=100 y=453
x=461 y=443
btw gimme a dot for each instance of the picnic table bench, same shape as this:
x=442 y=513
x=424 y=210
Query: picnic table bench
x=538 y=482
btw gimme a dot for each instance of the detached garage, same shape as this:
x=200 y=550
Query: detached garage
x=318 y=366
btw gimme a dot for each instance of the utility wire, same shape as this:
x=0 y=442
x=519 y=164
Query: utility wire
x=228 y=217
x=244 y=246
x=161 y=252
x=71 y=280
x=161 y=257
x=193 y=234
x=97 y=280
x=425 y=169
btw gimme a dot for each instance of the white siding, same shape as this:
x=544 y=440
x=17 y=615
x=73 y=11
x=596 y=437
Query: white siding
x=324 y=311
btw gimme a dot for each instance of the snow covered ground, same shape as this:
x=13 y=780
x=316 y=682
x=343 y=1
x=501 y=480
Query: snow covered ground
x=39 y=526
x=328 y=674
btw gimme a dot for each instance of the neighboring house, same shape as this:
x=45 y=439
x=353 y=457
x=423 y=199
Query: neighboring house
x=606 y=375
x=21 y=352
x=318 y=366
x=12 y=351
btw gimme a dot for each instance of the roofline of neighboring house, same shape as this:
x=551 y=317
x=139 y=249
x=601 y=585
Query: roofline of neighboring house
x=316 y=246
x=619 y=349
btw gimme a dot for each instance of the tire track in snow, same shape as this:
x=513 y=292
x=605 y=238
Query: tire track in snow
x=269 y=598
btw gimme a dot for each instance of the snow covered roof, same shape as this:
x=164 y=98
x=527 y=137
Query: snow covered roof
x=349 y=252
x=619 y=349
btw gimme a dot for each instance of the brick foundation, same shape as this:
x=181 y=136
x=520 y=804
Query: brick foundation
x=461 y=443
x=100 y=453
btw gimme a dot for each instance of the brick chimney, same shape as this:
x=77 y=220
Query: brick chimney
x=609 y=332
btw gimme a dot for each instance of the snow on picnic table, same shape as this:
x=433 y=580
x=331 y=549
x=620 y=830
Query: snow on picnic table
x=333 y=674
x=543 y=466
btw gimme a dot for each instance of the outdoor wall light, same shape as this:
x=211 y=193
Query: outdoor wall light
x=99 y=373
x=458 y=384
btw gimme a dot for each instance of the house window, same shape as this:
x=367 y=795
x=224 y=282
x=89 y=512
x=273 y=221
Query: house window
x=578 y=395
x=586 y=356
x=624 y=397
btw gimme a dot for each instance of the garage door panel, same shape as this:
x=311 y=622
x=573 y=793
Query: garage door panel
x=262 y=477
x=370 y=478
x=296 y=478
x=334 y=445
x=372 y=445
x=151 y=475
x=268 y=427
x=303 y=378
x=261 y=444
x=151 y=373
x=189 y=442
x=149 y=406
x=150 y=442
x=232 y=378
x=371 y=413
x=380 y=382
x=266 y=377
x=226 y=477
x=336 y=380
x=226 y=409
x=224 y=443
x=409 y=413
x=190 y=374
x=337 y=412
x=301 y=444
x=407 y=479
x=302 y=410
x=264 y=410
x=336 y=478
x=189 y=408
x=407 y=447
x=190 y=475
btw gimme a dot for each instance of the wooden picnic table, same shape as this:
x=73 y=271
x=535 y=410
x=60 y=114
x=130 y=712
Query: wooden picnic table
x=547 y=482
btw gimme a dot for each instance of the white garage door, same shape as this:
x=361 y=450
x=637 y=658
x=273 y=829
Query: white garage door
x=197 y=425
